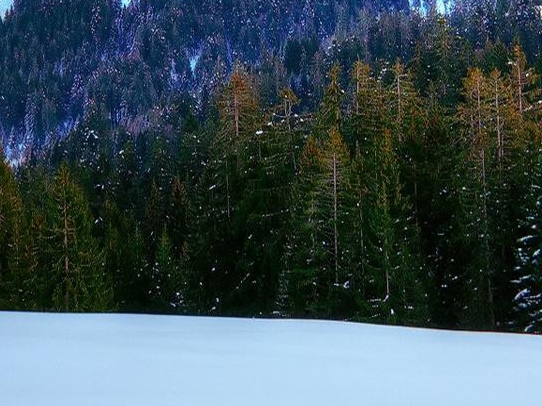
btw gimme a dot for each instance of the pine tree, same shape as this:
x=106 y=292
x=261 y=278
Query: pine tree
x=290 y=121
x=522 y=79
x=177 y=218
x=154 y=218
x=524 y=133
x=528 y=302
x=13 y=275
x=384 y=251
x=396 y=279
x=404 y=104
x=368 y=112
x=304 y=250
x=124 y=257
x=284 y=139
x=218 y=207
x=318 y=253
x=166 y=279
x=35 y=186
x=475 y=113
x=408 y=123
x=266 y=206
x=76 y=263
x=498 y=146
x=500 y=110
x=330 y=114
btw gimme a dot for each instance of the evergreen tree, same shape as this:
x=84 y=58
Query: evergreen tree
x=318 y=253
x=155 y=219
x=218 y=208
x=166 y=279
x=177 y=218
x=76 y=263
x=305 y=251
x=404 y=104
x=330 y=114
x=367 y=119
x=475 y=113
x=407 y=122
x=35 y=186
x=522 y=78
x=124 y=257
x=528 y=302
x=12 y=242
x=397 y=279
x=290 y=126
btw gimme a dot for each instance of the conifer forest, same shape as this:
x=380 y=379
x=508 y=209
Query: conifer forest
x=376 y=161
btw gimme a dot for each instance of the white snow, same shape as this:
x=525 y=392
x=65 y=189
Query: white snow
x=4 y=6
x=440 y=6
x=194 y=59
x=132 y=360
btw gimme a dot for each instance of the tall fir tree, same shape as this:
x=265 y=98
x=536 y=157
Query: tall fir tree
x=397 y=276
x=220 y=193
x=13 y=269
x=528 y=301
x=474 y=115
x=76 y=265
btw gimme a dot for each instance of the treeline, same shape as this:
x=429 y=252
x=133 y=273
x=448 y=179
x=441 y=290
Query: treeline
x=391 y=202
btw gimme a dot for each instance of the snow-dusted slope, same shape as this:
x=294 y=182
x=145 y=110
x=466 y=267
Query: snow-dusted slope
x=5 y=5
x=144 y=360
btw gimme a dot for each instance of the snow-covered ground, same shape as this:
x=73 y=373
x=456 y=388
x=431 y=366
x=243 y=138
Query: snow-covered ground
x=130 y=360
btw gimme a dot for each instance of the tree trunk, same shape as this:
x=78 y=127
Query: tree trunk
x=335 y=230
x=500 y=142
x=487 y=271
x=66 y=259
x=520 y=92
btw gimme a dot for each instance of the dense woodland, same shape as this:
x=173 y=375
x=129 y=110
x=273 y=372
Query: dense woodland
x=356 y=160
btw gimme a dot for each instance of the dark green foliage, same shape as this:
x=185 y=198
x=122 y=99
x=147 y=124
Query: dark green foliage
x=528 y=310
x=12 y=241
x=70 y=254
x=334 y=159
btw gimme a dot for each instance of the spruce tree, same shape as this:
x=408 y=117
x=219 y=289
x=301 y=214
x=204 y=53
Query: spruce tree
x=166 y=279
x=397 y=277
x=321 y=205
x=528 y=301
x=76 y=264
x=218 y=207
x=13 y=267
x=476 y=198
x=304 y=250
x=408 y=123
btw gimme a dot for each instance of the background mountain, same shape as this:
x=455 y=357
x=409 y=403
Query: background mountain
x=57 y=58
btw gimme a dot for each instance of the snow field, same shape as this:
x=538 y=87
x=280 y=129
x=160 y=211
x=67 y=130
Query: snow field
x=157 y=360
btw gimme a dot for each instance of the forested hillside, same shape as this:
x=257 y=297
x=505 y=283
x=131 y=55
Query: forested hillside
x=362 y=160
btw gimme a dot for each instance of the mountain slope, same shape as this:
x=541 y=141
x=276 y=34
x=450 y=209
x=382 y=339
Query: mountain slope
x=59 y=58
